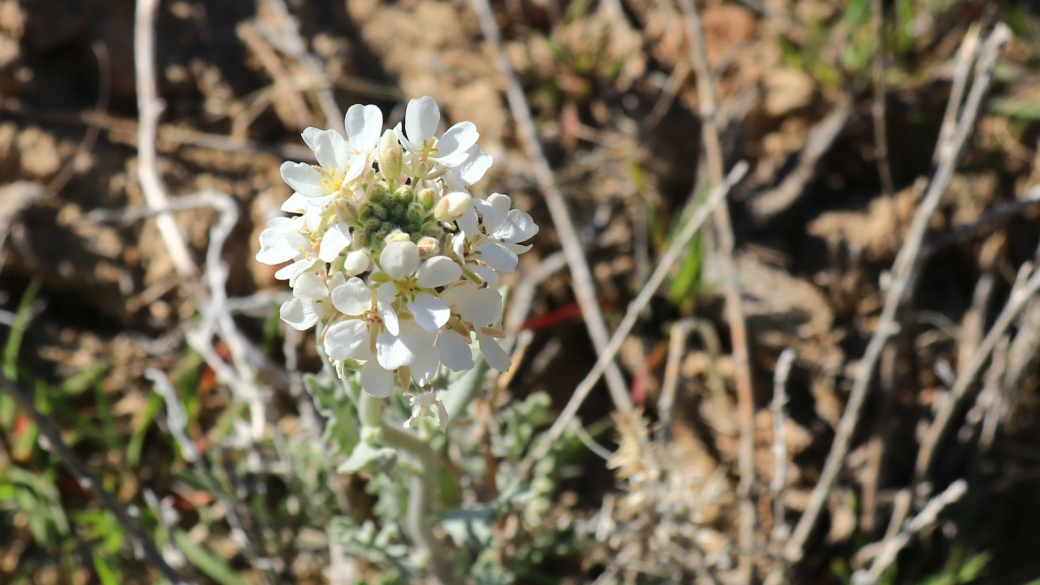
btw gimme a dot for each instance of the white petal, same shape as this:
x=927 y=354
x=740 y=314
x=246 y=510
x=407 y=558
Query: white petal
x=498 y=256
x=344 y=338
x=274 y=249
x=376 y=381
x=353 y=298
x=328 y=147
x=473 y=169
x=399 y=259
x=452 y=147
x=454 y=351
x=357 y=168
x=335 y=240
x=430 y=312
x=421 y=119
x=482 y=307
x=337 y=280
x=286 y=272
x=296 y=315
x=392 y=352
x=296 y=203
x=468 y=222
x=493 y=354
x=486 y=274
x=310 y=287
x=386 y=295
x=517 y=227
x=303 y=178
x=494 y=210
x=424 y=367
x=416 y=338
x=437 y=271
x=363 y=123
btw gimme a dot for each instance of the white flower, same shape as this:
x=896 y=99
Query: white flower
x=420 y=125
x=322 y=182
x=288 y=239
x=422 y=405
x=480 y=310
x=364 y=125
x=335 y=240
x=312 y=302
x=411 y=284
x=494 y=241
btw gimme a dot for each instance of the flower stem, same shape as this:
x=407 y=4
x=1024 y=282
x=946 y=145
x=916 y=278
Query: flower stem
x=422 y=488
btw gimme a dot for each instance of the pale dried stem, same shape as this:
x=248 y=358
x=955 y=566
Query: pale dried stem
x=581 y=275
x=149 y=107
x=905 y=269
x=287 y=39
x=731 y=288
x=676 y=348
x=1026 y=287
x=779 y=411
x=878 y=106
x=819 y=140
x=966 y=55
x=891 y=546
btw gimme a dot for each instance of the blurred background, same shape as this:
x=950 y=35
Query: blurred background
x=869 y=127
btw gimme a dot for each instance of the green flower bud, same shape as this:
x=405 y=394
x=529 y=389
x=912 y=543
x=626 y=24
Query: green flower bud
x=426 y=198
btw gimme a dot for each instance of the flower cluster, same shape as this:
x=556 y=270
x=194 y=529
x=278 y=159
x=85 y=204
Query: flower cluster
x=388 y=252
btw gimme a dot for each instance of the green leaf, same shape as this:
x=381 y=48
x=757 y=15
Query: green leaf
x=215 y=568
x=21 y=322
x=104 y=572
x=365 y=456
x=342 y=431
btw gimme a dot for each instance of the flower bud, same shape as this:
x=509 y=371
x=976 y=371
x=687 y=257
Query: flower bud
x=346 y=211
x=428 y=247
x=390 y=154
x=397 y=236
x=451 y=206
x=357 y=262
x=426 y=198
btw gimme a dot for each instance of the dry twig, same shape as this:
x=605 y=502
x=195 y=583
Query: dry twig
x=891 y=546
x=905 y=270
x=1026 y=288
x=731 y=287
x=820 y=138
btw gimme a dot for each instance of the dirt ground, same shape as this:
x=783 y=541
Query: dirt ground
x=88 y=305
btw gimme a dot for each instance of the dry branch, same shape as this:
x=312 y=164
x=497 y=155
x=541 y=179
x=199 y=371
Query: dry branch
x=731 y=287
x=905 y=270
